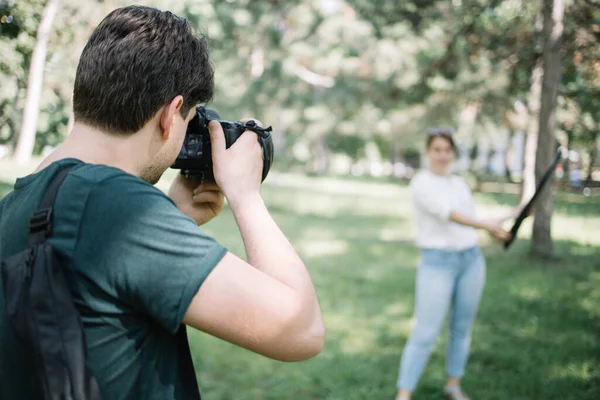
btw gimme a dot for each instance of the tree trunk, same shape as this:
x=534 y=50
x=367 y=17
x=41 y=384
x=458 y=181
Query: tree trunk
x=553 y=10
x=16 y=116
x=529 y=167
x=567 y=165
x=26 y=142
x=593 y=157
x=531 y=139
x=508 y=167
x=279 y=138
x=320 y=152
x=533 y=105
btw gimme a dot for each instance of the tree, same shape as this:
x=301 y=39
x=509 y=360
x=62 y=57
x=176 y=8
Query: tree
x=532 y=137
x=553 y=11
x=581 y=79
x=26 y=141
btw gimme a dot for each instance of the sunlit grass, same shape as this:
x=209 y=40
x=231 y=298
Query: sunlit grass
x=536 y=336
x=534 y=317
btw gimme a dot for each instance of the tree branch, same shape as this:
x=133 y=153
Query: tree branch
x=309 y=76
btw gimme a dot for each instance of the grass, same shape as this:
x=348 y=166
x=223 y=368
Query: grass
x=536 y=336
x=5 y=187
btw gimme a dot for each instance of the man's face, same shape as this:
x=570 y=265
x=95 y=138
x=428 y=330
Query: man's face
x=170 y=149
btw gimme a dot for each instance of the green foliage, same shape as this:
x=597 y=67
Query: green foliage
x=581 y=86
x=17 y=35
x=350 y=69
x=18 y=38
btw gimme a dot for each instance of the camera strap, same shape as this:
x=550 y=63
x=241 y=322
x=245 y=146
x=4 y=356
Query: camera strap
x=262 y=132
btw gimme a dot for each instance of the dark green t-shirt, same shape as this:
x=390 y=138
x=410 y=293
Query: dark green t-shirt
x=133 y=263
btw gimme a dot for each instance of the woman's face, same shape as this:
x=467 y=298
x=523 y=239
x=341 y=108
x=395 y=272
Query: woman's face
x=440 y=154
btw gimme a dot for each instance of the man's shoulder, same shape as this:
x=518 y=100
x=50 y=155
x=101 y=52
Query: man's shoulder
x=98 y=173
x=115 y=183
x=102 y=174
x=109 y=194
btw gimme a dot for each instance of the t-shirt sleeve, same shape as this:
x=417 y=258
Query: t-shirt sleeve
x=470 y=206
x=141 y=249
x=425 y=197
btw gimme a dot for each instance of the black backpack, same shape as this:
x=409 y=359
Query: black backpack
x=41 y=310
x=43 y=314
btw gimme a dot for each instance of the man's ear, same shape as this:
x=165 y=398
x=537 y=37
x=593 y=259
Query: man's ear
x=170 y=112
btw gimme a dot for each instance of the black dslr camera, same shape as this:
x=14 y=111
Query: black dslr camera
x=195 y=157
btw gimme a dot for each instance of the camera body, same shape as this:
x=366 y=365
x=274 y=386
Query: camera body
x=195 y=157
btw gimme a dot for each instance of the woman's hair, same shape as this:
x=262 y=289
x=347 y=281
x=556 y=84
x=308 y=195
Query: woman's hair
x=444 y=133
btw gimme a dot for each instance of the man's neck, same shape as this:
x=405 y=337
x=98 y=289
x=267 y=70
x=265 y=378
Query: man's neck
x=94 y=146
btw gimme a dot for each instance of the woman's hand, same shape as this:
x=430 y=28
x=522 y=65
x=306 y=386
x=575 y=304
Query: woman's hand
x=199 y=201
x=495 y=229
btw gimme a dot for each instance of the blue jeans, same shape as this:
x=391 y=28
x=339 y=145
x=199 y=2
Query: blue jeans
x=445 y=279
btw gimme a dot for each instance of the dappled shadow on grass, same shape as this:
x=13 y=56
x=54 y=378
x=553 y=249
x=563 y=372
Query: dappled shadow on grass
x=535 y=336
x=351 y=258
x=537 y=327
x=363 y=269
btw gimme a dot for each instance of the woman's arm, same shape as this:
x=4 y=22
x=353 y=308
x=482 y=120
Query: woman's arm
x=427 y=197
x=492 y=226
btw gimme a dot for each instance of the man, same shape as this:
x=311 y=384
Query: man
x=137 y=264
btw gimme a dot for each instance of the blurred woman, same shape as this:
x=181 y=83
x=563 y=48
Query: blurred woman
x=451 y=273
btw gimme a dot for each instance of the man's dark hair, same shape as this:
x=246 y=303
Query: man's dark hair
x=136 y=61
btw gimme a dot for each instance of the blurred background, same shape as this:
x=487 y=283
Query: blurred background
x=350 y=88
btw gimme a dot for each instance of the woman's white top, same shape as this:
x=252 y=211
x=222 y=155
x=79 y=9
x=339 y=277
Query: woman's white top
x=433 y=197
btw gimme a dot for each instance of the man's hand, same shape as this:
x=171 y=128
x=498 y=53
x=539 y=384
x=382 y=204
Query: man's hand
x=495 y=229
x=268 y=304
x=238 y=169
x=200 y=202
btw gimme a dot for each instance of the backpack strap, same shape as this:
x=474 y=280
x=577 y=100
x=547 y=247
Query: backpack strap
x=40 y=223
x=40 y=229
x=186 y=365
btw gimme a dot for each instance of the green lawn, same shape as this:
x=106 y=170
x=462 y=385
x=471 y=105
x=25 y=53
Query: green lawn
x=537 y=335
